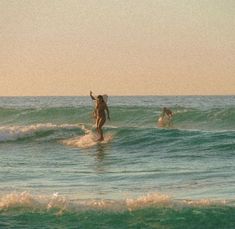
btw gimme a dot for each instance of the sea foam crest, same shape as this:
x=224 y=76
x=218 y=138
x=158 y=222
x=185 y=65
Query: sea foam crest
x=59 y=204
x=27 y=201
x=9 y=133
x=89 y=139
x=146 y=200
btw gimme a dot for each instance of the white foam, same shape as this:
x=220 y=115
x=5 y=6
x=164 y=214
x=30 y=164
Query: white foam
x=40 y=202
x=56 y=201
x=14 y=200
x=61 y=203
x=86 y=141
x=147 y=200
x=9 y=133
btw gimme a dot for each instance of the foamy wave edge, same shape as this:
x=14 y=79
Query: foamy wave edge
x=60 y=204
x=12 y=133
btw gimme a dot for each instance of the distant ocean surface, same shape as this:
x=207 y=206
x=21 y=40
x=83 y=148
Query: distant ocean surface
x=53 y=174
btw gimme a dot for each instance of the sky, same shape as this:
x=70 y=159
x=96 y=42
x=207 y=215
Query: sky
x=117 y=47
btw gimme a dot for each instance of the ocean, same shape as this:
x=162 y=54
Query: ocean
x=54 y=174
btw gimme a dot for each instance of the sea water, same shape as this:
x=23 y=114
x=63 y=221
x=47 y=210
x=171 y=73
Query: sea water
x=54 y=174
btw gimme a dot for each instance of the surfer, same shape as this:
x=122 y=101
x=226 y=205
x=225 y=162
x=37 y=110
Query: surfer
x=105 y=98
x=165 y=118
x=99 y=114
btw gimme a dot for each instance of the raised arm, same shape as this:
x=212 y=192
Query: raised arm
x=92 y=97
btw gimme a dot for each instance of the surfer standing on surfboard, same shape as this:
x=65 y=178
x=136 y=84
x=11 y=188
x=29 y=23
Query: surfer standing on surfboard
x=99 y=114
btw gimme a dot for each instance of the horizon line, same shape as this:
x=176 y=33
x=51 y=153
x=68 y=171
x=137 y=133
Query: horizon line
x=193 y=95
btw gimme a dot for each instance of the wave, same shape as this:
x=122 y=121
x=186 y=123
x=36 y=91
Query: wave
x=12 y=133
x=123 y=116
x=154 y=210
x=56 y=201
x=62 y=203
x=213 y=119
x=83 y=136
x=12 y=116
x=131 y=125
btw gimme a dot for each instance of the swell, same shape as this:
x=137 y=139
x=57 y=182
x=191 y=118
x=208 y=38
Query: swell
x=44 y=115
x=123 y=116
x=212 y=119
x=129 y=125
x=146 y=138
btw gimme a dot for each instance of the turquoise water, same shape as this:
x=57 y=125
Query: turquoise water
x=53 y=174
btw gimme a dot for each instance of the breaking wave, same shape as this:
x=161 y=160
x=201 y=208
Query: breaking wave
x=24 y=210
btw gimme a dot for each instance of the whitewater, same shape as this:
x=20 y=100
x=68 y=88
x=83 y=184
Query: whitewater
x=54 y=174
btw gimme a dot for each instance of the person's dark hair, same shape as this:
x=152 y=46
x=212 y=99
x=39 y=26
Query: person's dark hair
x=100 y=97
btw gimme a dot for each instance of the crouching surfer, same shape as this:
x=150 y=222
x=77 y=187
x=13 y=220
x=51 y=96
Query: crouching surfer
x=165 y=119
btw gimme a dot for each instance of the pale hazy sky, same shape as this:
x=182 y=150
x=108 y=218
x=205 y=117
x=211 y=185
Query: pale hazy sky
x=118 y=47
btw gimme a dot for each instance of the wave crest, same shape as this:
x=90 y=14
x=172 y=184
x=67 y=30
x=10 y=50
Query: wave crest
x=12 y=133
x=60 y=203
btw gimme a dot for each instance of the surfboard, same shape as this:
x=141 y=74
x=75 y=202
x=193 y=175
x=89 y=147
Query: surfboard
x=88 y=140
